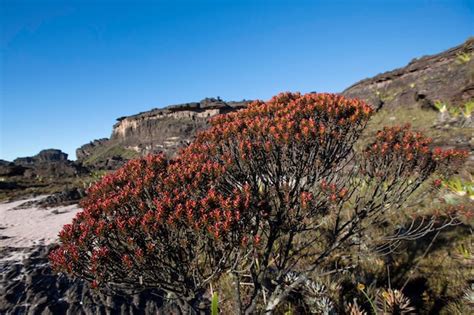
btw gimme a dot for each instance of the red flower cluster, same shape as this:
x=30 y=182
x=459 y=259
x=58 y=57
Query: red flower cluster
x=407 y=151
x=288 y=118
x=134 y=214
x=332 y=192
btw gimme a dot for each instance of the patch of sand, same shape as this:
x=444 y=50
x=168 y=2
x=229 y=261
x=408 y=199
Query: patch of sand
x=32 y=226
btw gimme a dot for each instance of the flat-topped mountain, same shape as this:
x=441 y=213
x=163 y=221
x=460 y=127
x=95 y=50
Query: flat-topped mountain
x=157 y=130
x=47 y=172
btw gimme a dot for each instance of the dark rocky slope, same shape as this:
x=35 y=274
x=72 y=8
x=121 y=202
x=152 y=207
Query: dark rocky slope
x=447 y=76
x=408 y=95
x=47 y=163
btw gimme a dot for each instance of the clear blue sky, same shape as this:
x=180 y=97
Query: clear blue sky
x=70 y=68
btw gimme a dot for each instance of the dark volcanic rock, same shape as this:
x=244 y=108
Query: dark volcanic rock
x=30 y=287
x=10 y=185
x=445 y=76
x=51 y=155
x=111 y=163
x=48 y=171
x=63 y=198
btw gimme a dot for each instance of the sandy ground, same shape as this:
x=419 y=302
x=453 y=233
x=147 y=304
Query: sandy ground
x=20 y=228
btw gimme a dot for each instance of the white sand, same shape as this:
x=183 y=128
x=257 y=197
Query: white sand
x=32 y=226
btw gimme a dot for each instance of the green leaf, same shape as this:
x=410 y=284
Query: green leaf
x=215 y=304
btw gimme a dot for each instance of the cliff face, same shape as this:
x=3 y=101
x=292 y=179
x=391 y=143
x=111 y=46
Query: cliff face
x=166 y=129
x=157 y=130
x=447 y=76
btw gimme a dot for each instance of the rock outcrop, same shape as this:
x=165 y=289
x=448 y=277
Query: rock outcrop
x=10 y=169
x=87 y=149
x=47 y=172
x=66 y=197
x=447 y=77
x=30 y=287
x=47 y=163
x=157 y=130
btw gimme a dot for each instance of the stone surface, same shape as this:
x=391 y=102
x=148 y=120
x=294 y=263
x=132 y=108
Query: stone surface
x=44 y=156
x=10 y=169
x=66 y=197
x=444 y=76
x=47 y=163
x=47 y=172
x=87 y=149
x=30 y=287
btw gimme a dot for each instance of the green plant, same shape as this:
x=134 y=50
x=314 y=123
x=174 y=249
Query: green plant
x=454 y=111
x=460 y=187
x=361 y=288
x=214 y=304
x=468 y=109
x=464 y=251
x=455 y=185
x=441 y=106
x=393 y=302
x=463 y=57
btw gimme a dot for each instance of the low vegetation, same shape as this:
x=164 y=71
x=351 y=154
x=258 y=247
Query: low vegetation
x=106 y=152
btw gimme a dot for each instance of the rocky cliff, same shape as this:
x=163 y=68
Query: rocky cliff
x=157 y=130
x=447 y=77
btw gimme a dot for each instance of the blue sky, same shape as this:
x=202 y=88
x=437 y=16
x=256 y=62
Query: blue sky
x=70 y=68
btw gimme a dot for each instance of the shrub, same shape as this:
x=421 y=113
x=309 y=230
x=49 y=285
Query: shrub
x=153 y=223
x=273 y=189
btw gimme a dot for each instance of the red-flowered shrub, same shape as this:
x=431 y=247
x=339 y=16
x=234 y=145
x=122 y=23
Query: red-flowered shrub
x=271 y=189
x=153 y=223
